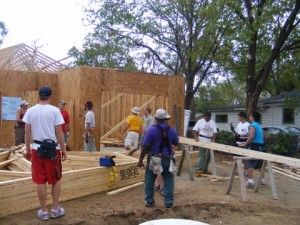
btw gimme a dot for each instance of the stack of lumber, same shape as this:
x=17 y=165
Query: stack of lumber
x=112 y=142
x=291 y=172
x=82 y=176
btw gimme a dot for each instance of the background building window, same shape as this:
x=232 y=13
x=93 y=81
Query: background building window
x=288 y=116
x=221 y=118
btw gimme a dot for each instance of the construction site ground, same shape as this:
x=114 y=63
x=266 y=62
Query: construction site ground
x=202 y=200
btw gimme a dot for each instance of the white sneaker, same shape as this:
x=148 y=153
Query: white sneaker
x=250 y=184
x=42 y=215
x=55 y=213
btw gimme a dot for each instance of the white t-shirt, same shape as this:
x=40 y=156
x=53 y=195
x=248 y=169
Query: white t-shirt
x=43 y=119
x=242 y=129
x=90 y=118
x=206 y=129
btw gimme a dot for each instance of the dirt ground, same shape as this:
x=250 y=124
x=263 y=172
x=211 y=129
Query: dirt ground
x=200 y=200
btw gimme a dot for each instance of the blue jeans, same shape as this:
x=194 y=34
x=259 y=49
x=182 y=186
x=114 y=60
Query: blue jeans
x=168 y=182
x=90 y=146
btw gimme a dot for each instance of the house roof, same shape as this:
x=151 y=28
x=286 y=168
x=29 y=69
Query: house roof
x=277 y=99
x=24 y=58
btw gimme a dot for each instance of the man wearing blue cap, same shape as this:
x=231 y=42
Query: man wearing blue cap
x=43 y=124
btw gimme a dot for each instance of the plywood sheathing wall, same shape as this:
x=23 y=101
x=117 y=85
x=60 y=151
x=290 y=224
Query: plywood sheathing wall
x=114 y=93
x=24 y=85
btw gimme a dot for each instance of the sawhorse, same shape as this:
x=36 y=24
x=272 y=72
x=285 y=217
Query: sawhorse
x=238 y=167
x=186 y=154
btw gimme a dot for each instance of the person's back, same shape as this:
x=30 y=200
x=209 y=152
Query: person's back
x=43 y=119
x=134 y=122
x=43 y=124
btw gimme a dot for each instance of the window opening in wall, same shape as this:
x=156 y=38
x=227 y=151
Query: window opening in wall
x=222 y=118
x=288 y=116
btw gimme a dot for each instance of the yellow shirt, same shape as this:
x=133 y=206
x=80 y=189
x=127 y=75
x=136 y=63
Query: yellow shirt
x=135 y=123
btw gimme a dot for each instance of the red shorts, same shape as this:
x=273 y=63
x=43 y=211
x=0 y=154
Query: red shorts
x=44 y=170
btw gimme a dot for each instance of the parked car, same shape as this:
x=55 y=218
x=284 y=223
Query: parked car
x=269 y=131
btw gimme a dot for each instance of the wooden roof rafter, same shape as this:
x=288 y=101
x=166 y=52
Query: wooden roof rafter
x=24 y=58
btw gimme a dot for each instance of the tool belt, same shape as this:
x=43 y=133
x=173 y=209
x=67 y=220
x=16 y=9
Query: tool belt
x=93 y=132
x=47 y=149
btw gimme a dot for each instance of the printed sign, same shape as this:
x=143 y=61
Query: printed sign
x=10 y=105
x=129 y=172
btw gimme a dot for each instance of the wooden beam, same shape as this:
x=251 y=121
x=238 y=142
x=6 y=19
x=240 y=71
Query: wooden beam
x=242 y=151
x=125 y=188
x=5 y=163
x=112 y=100
x=123 y=121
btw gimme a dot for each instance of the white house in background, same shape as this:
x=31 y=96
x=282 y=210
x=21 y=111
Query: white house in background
x=281 y=109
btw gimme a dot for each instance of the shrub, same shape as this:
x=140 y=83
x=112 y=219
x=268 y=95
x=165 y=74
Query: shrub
x=280 y=144
x=225 y=137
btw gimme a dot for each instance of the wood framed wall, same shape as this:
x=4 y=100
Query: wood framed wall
x=113 y=93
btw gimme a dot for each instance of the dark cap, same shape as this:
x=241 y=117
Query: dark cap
x=45 y=91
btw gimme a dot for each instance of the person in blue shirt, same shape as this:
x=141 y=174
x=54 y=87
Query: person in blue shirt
x=254 y=142
x=157 y=144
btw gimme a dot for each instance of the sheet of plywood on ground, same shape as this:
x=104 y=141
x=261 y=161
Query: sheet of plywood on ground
x=19 y=84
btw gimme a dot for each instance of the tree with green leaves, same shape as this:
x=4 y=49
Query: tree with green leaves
x=265 y=37
x=104 y=49
x=174 y=37
x=3 y=32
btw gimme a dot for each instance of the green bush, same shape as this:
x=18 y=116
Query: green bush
x=280 y=144
x=225 y=137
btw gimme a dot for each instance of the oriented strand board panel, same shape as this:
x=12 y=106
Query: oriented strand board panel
x=114 y=93
x=24 y=85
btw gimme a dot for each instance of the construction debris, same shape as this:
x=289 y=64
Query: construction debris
x=110 y=142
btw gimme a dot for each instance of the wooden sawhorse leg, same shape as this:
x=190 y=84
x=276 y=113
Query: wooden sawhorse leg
x=237 y=166
x=186 y=154
x=271 y=176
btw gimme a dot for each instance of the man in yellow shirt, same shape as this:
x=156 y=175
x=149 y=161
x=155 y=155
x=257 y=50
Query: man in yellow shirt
x=134 y=130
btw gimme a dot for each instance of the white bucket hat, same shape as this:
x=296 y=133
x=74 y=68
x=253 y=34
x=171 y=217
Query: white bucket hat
x=135 y=110
x=162 y=114
x=24 y=102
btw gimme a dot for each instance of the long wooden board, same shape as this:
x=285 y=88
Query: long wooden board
x=241 y=151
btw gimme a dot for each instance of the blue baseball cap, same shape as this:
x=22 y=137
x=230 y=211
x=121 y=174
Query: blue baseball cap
x=45 y=91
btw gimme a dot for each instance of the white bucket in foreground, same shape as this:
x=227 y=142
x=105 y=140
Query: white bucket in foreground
x=173 y=222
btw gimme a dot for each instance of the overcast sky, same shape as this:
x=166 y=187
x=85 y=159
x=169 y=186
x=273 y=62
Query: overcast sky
x=56 y=24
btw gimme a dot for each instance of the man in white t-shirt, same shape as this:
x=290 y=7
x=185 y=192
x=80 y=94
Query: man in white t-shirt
x=204 y=130
x=89 y=128
x=43 y=122
x=241 y=130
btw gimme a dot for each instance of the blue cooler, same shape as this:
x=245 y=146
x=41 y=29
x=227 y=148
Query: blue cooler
x=106 y=161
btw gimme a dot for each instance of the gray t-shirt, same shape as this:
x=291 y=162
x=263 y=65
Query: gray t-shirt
x=148 y=122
